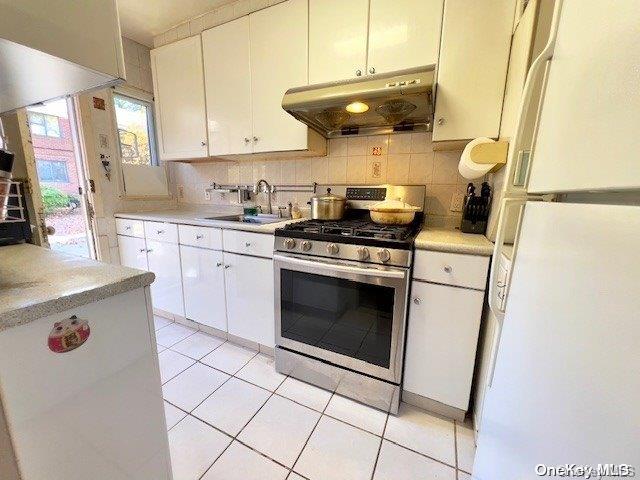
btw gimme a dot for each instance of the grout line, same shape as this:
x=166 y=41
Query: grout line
x=455 y=444
x=375 y=464
x=312 y=430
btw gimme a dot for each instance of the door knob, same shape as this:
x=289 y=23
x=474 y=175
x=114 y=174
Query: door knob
x=247 y=139
x=448 y=269
x=358 y=73
x=255 y=139
x=142 y=250
x=219 y=264
x=226 y=266
x=372 y=70
x=247 y=244
x=416 y=300
x=198 y=237
x=203 y=143
x=441 y=121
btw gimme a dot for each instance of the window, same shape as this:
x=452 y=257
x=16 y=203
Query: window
x=43 y=124
x=53 y=171
x=136 y=136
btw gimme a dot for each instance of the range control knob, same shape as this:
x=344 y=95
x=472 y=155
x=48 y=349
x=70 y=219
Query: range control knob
x=289 y=243
x=332 y=249
x=306 y=245
x=383 y=255
x=363 y=253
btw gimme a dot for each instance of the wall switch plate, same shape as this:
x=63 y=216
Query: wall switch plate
x=207 y=194
x=457 y=202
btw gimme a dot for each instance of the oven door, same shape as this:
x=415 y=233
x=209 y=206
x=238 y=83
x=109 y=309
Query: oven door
x=347 y=313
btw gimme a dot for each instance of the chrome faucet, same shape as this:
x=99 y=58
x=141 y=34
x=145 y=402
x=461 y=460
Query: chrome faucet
x=263 y=186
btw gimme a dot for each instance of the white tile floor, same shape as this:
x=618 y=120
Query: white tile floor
x=231 y=416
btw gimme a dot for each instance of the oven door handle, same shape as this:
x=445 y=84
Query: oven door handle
x=338 y=267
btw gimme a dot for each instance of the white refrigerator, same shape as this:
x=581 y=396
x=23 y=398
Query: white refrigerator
x=565 y=386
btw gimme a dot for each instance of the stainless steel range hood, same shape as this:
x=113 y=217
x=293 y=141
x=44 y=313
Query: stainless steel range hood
x=371 y=105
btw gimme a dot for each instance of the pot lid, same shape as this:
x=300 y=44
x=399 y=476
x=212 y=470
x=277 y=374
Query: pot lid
x=329 y=197
x=394 y=206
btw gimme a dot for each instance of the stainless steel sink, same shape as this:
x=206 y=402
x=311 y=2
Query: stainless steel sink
x=261 y=219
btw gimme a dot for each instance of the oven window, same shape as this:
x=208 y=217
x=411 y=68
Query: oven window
x=342 y=316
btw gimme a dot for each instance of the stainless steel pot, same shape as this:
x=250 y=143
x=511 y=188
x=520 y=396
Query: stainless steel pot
x=327 y=206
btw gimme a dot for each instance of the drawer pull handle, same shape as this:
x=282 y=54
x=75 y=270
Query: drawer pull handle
x=159 y=232
x=219 y=264
x=198 y=237
x=416 y=300
x=247 y=244
x=448 y=269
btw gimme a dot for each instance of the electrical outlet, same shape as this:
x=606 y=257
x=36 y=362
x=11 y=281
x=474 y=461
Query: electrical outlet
x=207 y=194
x=180 y=192
x=457 y=201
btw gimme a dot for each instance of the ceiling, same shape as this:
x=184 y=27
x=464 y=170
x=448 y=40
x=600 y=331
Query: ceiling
x=141 y=20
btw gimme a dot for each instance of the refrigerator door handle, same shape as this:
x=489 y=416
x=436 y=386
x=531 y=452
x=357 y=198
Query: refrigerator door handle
x=537 y=66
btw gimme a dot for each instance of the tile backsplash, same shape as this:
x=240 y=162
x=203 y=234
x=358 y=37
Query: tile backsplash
x=406 y=158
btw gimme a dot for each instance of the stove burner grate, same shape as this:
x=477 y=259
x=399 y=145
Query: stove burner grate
x=352 y=228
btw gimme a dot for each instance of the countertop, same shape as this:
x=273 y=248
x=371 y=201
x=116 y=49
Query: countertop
x=453 y=241
x=196 y=217
x=36 y=282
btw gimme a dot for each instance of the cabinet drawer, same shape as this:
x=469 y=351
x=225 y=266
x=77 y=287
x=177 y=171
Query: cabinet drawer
x=131 y=228
x=163 y=232
x=451 y=269
x=205 y=237
x=249 y=243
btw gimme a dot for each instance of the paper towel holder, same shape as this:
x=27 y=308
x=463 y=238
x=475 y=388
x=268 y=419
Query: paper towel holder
x=490 y=153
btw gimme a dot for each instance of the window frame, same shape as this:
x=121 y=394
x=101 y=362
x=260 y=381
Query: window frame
x=151 y=126
x=44 y=125
x=118 y=165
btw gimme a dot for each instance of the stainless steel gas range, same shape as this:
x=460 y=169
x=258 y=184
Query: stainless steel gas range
x=341 y=290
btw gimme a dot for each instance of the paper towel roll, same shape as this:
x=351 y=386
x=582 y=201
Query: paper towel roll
x=467 y=167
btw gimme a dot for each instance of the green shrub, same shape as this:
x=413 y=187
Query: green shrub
x=54 y=199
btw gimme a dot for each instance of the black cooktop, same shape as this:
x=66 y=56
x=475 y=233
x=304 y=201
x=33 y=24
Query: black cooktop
x=357 y=228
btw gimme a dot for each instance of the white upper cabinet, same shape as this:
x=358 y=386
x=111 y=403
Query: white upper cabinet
x=403 y=34
x=474 y=55
x=364 y=37
x=279 y=61
x=337 y=39
x=227 y=80
x=179 y=99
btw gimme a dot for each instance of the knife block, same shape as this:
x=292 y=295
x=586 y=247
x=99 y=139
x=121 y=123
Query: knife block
x=475 y=214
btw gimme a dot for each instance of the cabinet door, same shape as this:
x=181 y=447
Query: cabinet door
x=133 y=252
x=442 y=338
x=179 y=99
x=203 y=284
x=472 y=69
x=227 y=82
x=279 y=41
x=403 y=34
x=337 y=39
x=166 y=290
x=249 y=288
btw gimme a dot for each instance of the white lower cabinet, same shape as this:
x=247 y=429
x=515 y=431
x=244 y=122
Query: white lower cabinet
x=203 y=284
x=442 y=336
x=133 y=252
x=249 y=289
x=166 y=290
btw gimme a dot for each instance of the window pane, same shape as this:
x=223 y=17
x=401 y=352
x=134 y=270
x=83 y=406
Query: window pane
x=52 y=126
x=53 y=171
x=134 y=130
x=44 y=171
x=36 y=123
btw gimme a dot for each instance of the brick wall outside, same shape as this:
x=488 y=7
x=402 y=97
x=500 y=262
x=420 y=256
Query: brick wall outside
x=59 y=149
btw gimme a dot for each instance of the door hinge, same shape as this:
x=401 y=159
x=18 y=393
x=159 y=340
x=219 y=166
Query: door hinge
x=92 y=186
